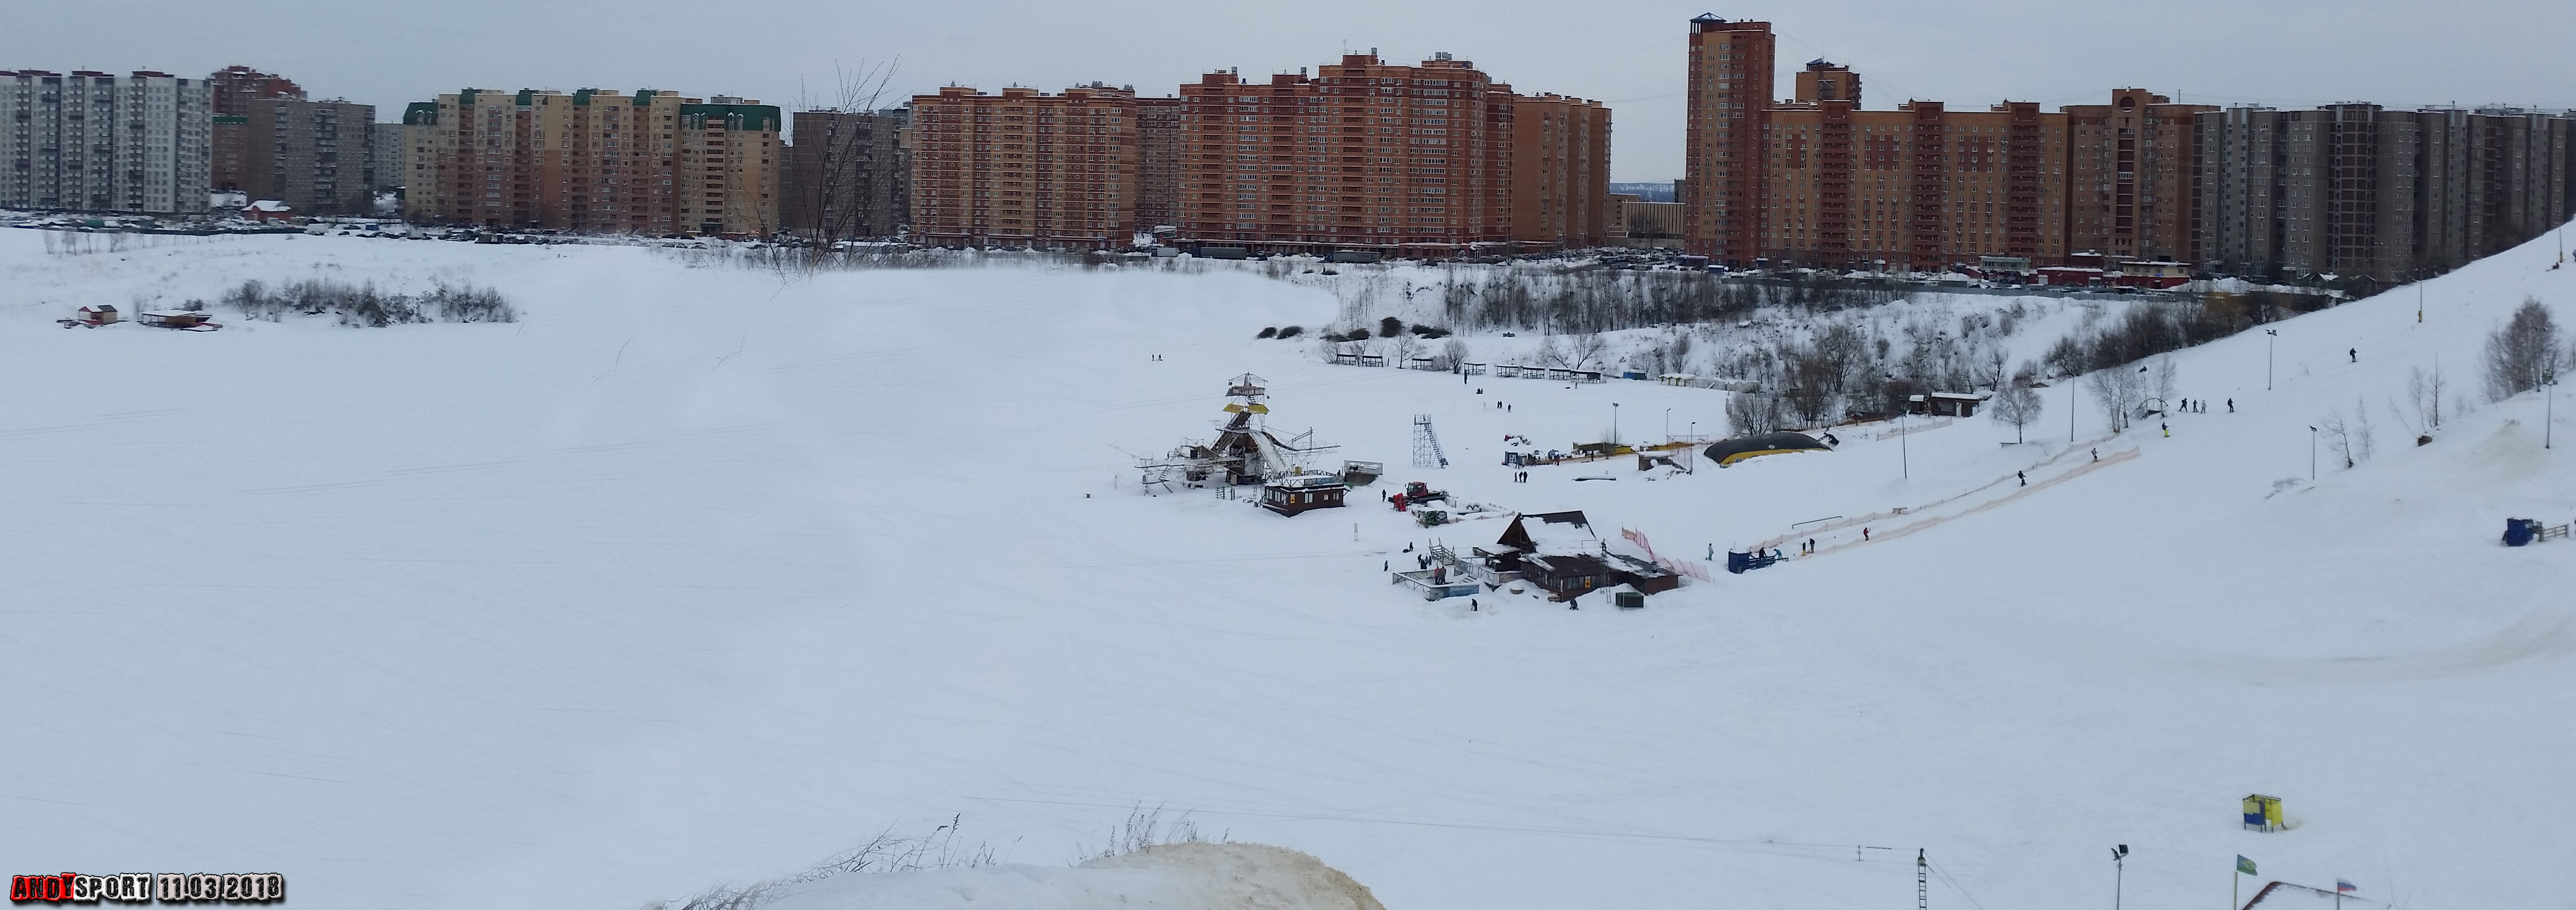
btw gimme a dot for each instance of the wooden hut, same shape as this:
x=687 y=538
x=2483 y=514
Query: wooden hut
x=1299 y=492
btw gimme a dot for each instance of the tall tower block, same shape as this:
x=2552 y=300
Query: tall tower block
x=1729 y=101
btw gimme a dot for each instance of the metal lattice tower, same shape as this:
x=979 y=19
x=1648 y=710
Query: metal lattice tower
x=1922 y=883
x=1426 y=444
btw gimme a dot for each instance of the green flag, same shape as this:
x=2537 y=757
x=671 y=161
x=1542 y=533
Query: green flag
x=2244 y=865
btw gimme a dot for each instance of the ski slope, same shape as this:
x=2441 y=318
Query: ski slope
x=702 y=574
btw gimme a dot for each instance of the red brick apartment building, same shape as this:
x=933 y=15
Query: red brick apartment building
x=1817 y=181
x=1560 y=171
x=1025 y=168
x=1362 y=155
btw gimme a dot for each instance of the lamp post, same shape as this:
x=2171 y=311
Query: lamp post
x=2312 y=454
x=1904 y=449
x=2548 y=407
x=2119 y=873
x=2269 y=335
x=1668 y=424
x=1614 y=423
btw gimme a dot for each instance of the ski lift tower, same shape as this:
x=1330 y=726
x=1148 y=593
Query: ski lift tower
x=1426 y=444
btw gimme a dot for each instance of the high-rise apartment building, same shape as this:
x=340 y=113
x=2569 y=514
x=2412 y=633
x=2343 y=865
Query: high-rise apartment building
x=1728 y=103
x=1158 y=163
x=1919 y=187
x=235 y=88
x=317 y=156
x=1025 y=168
x=2354 y=189
x=652 y=162
x=391 y=166
x=1560 y=171
x=1362 y=155
x=2132 y=177
x=848 y=174
x=93 y=141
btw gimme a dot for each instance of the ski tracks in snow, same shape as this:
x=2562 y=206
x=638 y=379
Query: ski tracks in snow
x=1844 y=534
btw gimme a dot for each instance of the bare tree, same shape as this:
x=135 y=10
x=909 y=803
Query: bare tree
x=1550 y=353
x=2424 y=395
x=1749 y=413
x=1403 y=350
x=1453 y=353
x=2338 y=437
x=1585 y=348
x=2017 y=403
x=2361 y=431
x=2118 y=390
x=844 y=178
x=2165 y=374
x=2523 y=353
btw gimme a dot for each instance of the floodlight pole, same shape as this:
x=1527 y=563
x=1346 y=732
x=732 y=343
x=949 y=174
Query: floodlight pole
x=2312 y=454
x=1614 y=423
x=2269 y=335
x=2548 y=408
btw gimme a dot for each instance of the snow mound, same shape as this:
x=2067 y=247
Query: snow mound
x=1201 y=876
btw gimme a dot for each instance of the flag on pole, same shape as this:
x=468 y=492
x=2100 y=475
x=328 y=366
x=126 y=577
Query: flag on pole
x=2243 y=865
x=2344 y=887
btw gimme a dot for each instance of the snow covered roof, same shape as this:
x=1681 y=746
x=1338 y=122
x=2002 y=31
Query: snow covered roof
x=1551 y=532
x=271 y=205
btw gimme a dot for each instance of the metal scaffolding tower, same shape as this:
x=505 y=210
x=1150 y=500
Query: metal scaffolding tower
x=1426 y=444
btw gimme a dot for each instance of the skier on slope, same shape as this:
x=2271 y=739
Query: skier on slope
x=2025 y=478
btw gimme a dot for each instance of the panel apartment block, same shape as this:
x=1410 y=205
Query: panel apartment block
x=652 y=162
x=1025 y=168
x=848 y=174
x=317 y=156
x=235 y=87
x=93 y=141
x=2354 y=189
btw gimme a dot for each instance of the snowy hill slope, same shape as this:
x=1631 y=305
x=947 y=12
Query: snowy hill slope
x=702 y=574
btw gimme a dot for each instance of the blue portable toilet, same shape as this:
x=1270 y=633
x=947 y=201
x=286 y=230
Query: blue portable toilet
x=2518 y=531
x=1738 y=562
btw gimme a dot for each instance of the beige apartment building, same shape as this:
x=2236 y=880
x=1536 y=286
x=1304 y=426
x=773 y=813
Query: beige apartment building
x=648 y=163
x=1025 y=168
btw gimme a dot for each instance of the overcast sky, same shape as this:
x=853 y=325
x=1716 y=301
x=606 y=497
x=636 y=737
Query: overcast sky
x=2288 y=53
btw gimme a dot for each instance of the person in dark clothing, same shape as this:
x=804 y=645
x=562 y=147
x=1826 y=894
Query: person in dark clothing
x=2231 y=406
x=2097 y=454
x=2356 y=354
x=2025 y=478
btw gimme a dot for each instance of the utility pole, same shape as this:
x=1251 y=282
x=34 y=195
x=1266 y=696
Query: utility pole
x=2070 y=410
x=1614 y=423
x=2312 y=454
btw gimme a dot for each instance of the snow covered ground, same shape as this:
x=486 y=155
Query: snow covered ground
x=704 y=574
